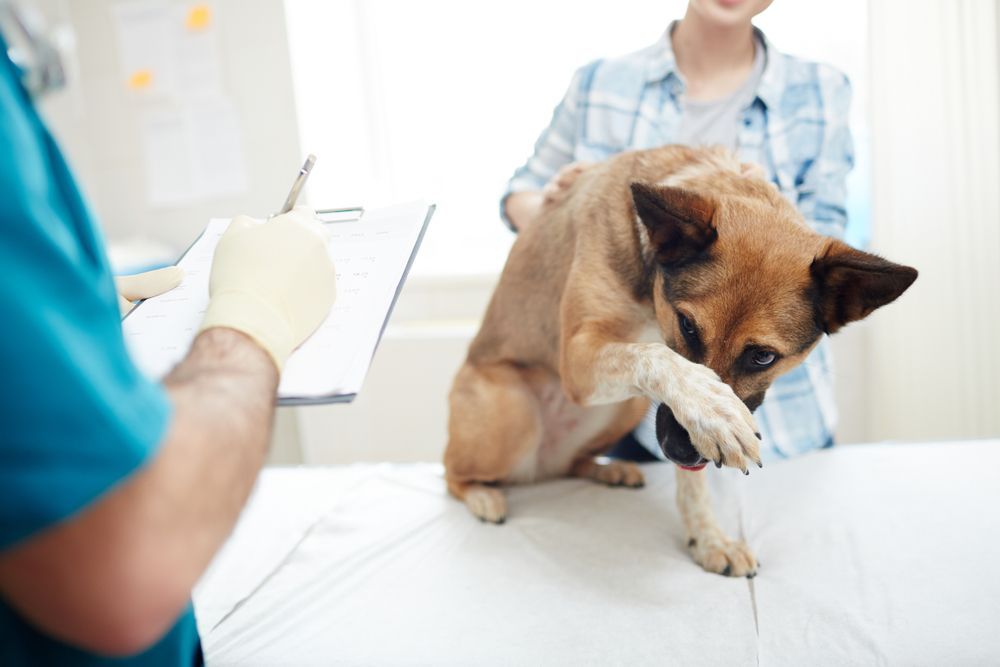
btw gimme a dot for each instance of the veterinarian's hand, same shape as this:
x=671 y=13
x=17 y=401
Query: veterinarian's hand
x=273 y=281
x=720 y=425
x=555 y=190
x=145 y=285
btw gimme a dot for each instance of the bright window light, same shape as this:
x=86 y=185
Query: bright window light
x=442 y=100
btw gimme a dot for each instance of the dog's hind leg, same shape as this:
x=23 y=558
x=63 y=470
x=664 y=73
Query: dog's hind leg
x=494 y=424
x=708 y=544
x=609 y=471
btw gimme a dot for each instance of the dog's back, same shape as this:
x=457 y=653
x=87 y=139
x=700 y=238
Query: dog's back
x=596 y=220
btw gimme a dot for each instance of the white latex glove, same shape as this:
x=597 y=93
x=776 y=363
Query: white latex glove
x=145 y=285
x=273 y=281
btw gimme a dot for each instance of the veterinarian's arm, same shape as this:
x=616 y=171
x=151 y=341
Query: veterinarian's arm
x=115 y=577
x=554 y=149
x=822 y=197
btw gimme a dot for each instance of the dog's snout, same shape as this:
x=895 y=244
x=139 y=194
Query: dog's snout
x=674 y=440
x=753 y=402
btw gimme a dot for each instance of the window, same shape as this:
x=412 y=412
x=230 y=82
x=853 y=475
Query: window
x=442 y=99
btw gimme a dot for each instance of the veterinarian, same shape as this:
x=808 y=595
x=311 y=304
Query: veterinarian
x=115 y=492
x=713 y=79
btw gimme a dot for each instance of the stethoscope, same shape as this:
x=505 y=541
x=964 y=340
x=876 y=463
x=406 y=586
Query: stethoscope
x=31 y=48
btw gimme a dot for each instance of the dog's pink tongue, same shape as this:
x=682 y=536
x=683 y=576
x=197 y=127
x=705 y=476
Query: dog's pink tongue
x=695 y=468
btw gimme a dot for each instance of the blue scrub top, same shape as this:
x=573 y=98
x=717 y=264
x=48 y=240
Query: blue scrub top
x=76 y=417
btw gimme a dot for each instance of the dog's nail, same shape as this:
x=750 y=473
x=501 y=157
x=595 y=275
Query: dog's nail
x=751 y=575
x=692 y=542
x=758 y=436
x=727 y=571
x=760 y=464
x=502 y=520
x=718 y=463
x=746 y=472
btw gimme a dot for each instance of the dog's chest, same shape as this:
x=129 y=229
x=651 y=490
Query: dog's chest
x=567 y=428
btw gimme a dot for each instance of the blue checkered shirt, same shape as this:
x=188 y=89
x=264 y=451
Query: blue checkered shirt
x=795 y=128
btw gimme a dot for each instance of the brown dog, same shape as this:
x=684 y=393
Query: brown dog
x=661 y=273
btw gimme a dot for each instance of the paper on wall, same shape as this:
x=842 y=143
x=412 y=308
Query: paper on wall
x=168 y=51
x=190 y=129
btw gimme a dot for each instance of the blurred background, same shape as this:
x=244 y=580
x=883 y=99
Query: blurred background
x=180 y=111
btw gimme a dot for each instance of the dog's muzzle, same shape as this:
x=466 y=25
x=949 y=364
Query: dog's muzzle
x=675 y=441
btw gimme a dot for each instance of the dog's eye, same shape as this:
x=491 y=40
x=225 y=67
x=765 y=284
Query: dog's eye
x=687 y=326
x=763 y=358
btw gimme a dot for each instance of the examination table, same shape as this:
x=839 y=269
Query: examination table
x=869 y=555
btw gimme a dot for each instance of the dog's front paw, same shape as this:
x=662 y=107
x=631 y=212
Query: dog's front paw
x=723 y=556
x=720 y=425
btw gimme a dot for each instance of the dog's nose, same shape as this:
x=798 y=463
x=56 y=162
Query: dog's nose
x=674 y=440
x=753 y=402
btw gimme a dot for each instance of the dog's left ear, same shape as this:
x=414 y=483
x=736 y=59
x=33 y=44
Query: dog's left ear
x=679 y=221
x=851 y=284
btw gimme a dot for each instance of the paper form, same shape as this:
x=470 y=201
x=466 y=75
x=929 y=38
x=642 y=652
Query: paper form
x=371 y=256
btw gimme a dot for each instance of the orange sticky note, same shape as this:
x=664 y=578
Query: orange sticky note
x=198 y=17
x=140 y=79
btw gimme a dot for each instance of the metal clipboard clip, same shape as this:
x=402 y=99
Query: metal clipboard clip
x=331 y=215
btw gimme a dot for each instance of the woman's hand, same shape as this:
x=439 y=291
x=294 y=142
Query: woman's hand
x=523 y=207
x=557 y=188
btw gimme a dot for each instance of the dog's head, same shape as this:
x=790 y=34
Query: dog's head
x=744 y=287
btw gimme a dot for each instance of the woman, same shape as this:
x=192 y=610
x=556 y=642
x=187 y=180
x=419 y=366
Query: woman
x=713 y=79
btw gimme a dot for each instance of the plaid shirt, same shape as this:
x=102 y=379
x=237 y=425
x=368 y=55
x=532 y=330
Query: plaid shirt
x=795 y=128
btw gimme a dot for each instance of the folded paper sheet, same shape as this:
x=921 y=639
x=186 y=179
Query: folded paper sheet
x=372 y=256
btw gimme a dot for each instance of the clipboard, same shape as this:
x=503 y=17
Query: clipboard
x=159 y=331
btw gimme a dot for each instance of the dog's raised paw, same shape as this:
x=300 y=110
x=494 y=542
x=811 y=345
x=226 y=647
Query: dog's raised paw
x=730 y=558
x=486 y=503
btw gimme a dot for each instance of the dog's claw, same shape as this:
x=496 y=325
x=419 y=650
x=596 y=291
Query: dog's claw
x=758 y=436
x=718 y=463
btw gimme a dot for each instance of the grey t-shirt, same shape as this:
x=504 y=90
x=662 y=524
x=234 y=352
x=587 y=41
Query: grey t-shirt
x=717 y=122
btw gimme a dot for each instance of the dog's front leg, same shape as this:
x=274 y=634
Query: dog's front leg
x=597 y=369
x=708 y=544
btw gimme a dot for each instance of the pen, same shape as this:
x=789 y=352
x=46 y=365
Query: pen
x=300 y=181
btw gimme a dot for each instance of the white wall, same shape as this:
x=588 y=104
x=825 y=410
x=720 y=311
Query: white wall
x=97 y=121
x=935 y=357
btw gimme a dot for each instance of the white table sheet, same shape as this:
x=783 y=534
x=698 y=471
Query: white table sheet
x=875 y=554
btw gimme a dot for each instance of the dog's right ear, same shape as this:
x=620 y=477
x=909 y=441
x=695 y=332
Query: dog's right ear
x=679 y=222
x=851 y=284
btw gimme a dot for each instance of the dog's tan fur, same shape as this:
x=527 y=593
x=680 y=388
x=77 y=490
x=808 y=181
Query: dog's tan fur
x=582 y=331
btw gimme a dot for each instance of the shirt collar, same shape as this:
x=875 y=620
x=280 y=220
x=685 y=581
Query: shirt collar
x=662 y=66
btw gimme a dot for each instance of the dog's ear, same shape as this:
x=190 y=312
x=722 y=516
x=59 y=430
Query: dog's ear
x=851 y=284
x=679 y=221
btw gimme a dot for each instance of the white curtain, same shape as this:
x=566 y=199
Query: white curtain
x=935 y=355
